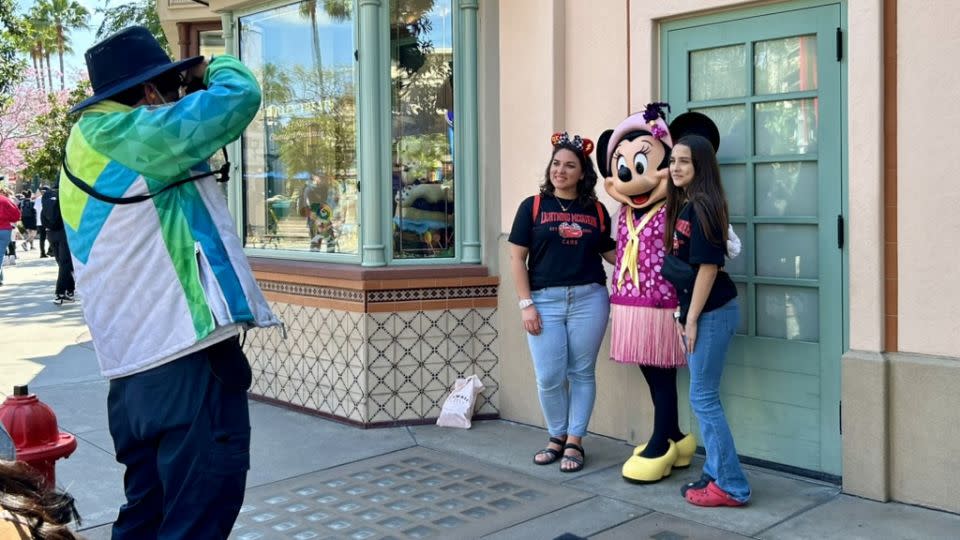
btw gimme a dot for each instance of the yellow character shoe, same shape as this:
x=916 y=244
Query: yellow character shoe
x=641 y=470
x=686 y=447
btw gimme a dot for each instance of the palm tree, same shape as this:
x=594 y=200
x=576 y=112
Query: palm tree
x=337 y=10
x=64 y=16
x=309 y=9
x=27 y=43
x=44 y=38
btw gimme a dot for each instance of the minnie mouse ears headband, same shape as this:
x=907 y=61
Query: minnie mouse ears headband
x=584 y=146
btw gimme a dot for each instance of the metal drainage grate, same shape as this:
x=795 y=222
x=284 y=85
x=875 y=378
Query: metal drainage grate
x=413 y=494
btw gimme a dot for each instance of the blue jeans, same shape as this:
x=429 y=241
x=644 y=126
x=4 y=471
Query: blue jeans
x=715 y=329
x=565 y=354
x=4 y=240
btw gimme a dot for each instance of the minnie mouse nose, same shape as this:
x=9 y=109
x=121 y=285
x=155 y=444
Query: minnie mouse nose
x=624 y=174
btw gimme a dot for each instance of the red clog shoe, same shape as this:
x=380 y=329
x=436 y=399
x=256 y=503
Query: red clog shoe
x=711 y=496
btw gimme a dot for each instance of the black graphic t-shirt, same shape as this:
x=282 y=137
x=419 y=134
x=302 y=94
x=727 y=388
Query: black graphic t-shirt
x=692 y=246
x=565 y=245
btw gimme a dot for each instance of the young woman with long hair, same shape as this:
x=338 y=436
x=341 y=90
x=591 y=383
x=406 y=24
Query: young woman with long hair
x=696 y=231
x=28 y=510
x=558 y=240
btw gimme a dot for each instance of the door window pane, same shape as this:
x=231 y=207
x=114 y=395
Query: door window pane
x=788 y=313
x=787 y=251
x=787 y=189
x=421 y=48
x=299 y=154
x=738 y=265
x=733 y=134
x=786 y=127
x=734 y=178
x=785 y=65
x=718 y=73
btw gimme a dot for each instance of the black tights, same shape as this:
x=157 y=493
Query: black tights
x=666 y=418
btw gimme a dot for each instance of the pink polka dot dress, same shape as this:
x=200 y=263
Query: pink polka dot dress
x=643 y=329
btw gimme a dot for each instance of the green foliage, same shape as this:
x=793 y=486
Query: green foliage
x=11 y=66
x=44 y=162
x=139 y=12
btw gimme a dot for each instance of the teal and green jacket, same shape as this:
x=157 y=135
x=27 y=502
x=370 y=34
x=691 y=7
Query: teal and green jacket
x=164 y=277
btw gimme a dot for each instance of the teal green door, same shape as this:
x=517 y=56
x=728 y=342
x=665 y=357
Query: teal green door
x=772 y=83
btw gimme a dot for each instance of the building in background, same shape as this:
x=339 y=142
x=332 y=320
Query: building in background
x=397 y=138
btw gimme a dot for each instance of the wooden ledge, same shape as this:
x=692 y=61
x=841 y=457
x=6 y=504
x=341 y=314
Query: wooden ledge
x=352 y=276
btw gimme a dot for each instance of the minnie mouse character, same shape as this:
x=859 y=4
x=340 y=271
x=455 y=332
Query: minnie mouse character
x=633 y=160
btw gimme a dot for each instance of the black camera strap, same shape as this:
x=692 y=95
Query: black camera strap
x=221 y=175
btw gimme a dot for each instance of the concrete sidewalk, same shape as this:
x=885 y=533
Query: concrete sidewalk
x=312 y=478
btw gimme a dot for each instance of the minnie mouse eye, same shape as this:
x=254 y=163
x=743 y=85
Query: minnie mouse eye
x=640 y=162
x=621 y=162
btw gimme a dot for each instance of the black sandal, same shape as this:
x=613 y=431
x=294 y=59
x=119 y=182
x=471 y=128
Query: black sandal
x=578 y=461
x=554 y=454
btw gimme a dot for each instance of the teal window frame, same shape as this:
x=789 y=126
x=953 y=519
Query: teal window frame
x=374 y=133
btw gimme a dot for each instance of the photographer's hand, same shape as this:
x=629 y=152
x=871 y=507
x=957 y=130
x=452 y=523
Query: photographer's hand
x=193 y=78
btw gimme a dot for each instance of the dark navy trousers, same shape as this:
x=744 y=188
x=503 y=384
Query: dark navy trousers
x=183 y=432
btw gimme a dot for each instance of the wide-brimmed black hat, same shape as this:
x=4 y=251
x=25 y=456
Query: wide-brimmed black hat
x=123 y=60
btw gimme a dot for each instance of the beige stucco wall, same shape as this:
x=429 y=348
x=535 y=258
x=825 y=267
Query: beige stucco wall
x=929 y=195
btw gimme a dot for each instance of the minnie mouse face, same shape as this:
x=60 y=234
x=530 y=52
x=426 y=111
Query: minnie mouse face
x=637 y=175
x=633 y=157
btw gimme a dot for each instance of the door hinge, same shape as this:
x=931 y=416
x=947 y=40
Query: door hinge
x=840 y=413
x=839 y=44
x=840 y=231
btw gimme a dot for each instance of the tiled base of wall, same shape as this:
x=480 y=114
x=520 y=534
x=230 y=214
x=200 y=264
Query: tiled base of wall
x=375 y=368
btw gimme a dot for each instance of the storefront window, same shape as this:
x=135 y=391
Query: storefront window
x=421 y=75
x=299 y=154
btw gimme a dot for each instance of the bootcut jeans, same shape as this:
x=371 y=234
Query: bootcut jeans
x=715 y=329
x=574 y=320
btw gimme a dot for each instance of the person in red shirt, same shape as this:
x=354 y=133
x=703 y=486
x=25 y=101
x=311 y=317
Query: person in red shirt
x=9 y=215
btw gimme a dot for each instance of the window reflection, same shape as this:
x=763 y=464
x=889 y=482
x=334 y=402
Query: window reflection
x=785 y=65
x=787 y=189
x=421 y=52
x=299 y=154
x=718 y=73
x=786 y=127
x=788 y=313
x=730 y=121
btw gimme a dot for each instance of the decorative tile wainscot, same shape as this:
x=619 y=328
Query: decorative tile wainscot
x=375 y=347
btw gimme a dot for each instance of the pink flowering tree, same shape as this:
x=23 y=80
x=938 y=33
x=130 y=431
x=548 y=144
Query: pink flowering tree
x=24 y=122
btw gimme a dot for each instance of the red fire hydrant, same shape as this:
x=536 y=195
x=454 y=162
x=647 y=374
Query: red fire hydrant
x=33 y=428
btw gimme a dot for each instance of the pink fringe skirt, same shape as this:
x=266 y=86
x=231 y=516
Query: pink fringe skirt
x=645 y=336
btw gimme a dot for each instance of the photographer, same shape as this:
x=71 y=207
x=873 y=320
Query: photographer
x=166 y=286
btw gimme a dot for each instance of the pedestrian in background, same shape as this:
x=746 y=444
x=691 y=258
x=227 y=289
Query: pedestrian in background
x=9 y=216
x=41 y=230
x=558 y=241
x=166 y=286
x=52 y=219
x=28 y=216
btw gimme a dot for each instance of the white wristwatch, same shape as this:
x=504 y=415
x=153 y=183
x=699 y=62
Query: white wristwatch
x=525 y=303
